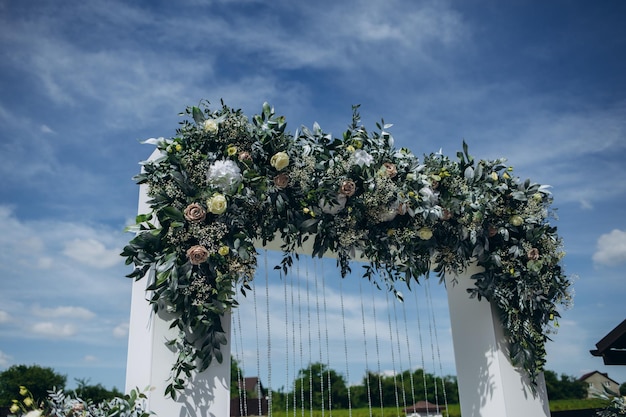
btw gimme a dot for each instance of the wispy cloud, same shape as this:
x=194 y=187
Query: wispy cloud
x=53 y=330
x=91 y=252
x=73 y=312
x=4 y=359
x=4 y=316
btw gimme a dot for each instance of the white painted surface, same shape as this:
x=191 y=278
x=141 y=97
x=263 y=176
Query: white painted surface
x=489 y=385
x=150 y=360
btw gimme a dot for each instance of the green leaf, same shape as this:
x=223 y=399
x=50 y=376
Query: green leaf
x=173 y=214
x=198 y=116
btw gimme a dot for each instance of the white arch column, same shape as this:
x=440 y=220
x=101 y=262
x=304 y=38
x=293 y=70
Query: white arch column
x=149 y=360
x=489 y=385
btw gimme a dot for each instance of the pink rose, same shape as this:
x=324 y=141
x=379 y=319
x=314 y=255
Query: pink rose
x=245 y=156
x=390 y=169
x=281 y=180
x=533 y=254
x=197 y=254
x=195 y=213
x=348 y=188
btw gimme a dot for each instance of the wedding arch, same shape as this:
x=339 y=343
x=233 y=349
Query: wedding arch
x=226 y=185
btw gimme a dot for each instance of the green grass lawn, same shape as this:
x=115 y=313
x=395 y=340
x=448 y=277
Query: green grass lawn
x=454 y=410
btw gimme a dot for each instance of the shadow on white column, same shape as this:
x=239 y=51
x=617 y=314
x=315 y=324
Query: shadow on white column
x=489 y=385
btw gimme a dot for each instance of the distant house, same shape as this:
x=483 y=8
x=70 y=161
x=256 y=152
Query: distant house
x=422 y=409
x=252 y=386
x=599 y=383
x=250 y=404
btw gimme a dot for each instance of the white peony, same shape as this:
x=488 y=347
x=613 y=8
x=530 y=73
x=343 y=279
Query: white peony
x=210 y=126
x=362 y=158
x=225 y=175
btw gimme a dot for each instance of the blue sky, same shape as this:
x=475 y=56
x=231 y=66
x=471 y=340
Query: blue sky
x=540 y=83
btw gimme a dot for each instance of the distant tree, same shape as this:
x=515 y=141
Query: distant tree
x=317 y=384
x=622 y=389
x=235 y=375
x=34 y=377
x=96 y=393
x=405 y=388
x=568 y=387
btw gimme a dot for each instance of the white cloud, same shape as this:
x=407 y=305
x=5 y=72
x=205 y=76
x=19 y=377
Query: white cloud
x=4 y=359
x=92 y=252
x=45 y=263
x=4 y=316
x=51 y=329
x=585 y=204
x=90 y=358
x=121 y=330
x=65 y=311
x=611 y=248
x=46 y=129
x=30 y=246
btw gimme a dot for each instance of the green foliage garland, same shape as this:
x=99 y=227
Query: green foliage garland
x=225 y=182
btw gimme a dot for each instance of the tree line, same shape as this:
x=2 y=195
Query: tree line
x=319 y=386
x=315 y=386
x=39 y=380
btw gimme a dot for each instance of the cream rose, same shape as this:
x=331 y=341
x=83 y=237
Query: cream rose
x=197 y=254
x=217 y=204
x=195 y=213
x=425 y=233
x=223 y=250
x=516 y=220
x=280 y=160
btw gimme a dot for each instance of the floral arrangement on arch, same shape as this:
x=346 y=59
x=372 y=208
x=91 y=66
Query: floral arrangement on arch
x=57 y=404
x=226 y=181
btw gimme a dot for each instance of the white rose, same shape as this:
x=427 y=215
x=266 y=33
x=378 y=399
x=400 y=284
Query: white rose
x=210 y=126
x=280 y=160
